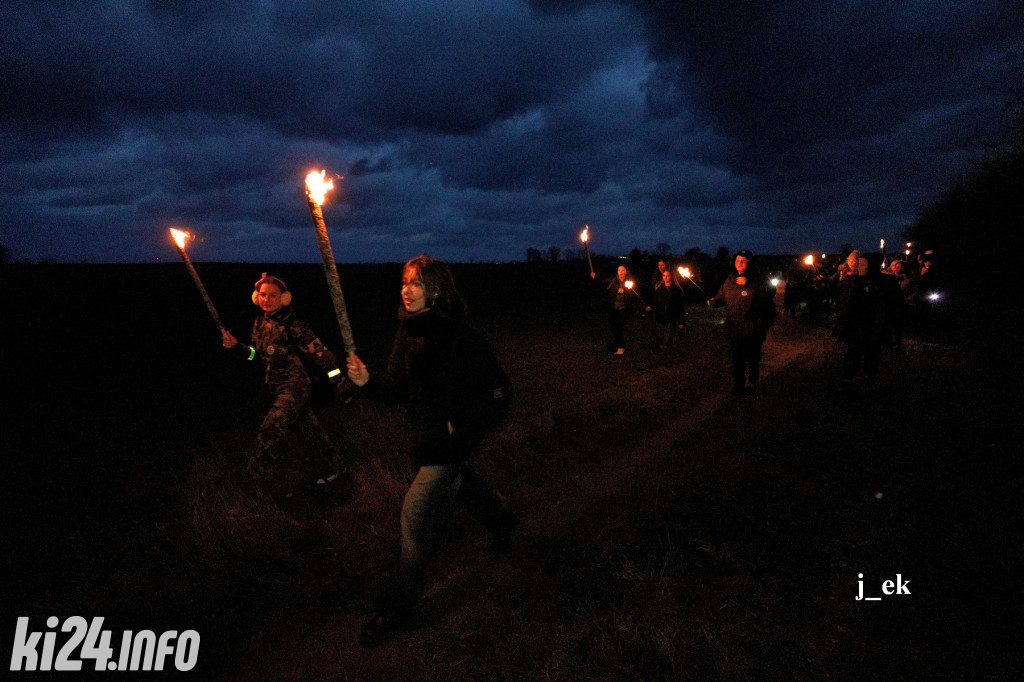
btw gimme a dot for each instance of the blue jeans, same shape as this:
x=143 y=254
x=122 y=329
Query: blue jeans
x=428 y=505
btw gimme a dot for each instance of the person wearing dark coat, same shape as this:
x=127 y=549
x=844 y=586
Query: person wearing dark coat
x=870 y=308
x=668 y=308
x=622 y=298
x=749 y=313
x=435 y=362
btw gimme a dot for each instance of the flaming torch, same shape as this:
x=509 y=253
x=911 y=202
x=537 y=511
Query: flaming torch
x=585 y=238
x=316 y=191
x=629 y=285
x=685 y=272
x=180 y=238
x=810 y=261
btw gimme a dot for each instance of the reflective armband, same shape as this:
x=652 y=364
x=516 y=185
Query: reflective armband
x=333 y=373
x=252 y=353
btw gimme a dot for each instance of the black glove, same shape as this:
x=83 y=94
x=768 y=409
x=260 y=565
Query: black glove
x=343 y=387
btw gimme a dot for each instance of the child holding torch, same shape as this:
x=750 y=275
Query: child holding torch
x=669 y=309
x=622 y=298
x=447 y=373
x=278 y=338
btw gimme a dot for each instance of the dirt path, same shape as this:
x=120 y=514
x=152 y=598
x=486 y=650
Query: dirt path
x=465 y=573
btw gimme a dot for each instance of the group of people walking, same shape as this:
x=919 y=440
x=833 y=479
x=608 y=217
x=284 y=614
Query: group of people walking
x=448 y=375
x=666 y=305
x=435 y=367
x=749 y=312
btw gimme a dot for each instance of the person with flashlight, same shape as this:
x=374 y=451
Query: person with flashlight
x=457 y=392
x=749 y=313
x=278 y=339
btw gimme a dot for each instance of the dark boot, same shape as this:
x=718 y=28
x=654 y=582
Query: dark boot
x=502 y=535
x=385 y=624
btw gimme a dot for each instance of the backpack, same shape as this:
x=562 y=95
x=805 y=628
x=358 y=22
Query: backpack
x=495 y=393
x=491 y=386
x=322 y=388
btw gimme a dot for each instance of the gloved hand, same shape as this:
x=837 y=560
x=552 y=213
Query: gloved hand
x=344 y=387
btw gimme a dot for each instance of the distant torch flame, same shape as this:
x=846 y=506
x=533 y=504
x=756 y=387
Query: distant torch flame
x=809 y=260
x=317 y=188
x=585 y=237
x=180 y=237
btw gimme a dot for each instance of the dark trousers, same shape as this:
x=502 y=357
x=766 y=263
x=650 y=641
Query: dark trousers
x=746 y=359
x=867 y=351
x=617 y=319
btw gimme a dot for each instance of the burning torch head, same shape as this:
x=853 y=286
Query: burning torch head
x=286 y=296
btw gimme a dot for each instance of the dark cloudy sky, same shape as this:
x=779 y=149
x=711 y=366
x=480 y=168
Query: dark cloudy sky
x=474 y=129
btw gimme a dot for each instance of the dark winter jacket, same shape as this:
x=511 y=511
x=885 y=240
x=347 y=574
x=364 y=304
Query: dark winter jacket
x=435 y=366
x=620 y=297
x=868 y=308
x=749 y=308
x=667 y=304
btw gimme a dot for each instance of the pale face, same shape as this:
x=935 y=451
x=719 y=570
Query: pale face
x=414 y=294
x=666 y=277
x=269 y=297
x=621 y=272
x=741 y=264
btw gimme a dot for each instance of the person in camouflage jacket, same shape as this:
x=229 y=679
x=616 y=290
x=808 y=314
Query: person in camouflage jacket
x=278 y=338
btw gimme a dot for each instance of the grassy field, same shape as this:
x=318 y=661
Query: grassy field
x=669 y=531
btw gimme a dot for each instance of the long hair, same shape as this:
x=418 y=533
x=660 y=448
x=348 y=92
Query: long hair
x=442 y=296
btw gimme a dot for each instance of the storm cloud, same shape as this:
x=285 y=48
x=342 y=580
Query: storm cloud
x=475 y=130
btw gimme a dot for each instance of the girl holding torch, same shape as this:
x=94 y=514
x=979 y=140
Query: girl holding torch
x=622 y=298
x=456 y=390
x=278 y=338
x=669 y=309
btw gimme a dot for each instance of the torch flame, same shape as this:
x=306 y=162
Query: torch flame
x=180 y=237
x=316 y=188
x=685 y=272
x=585 y=234
x=629 y=284
x=809 y=260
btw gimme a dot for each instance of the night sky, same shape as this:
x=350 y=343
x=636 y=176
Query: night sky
x=473 y=130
